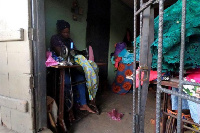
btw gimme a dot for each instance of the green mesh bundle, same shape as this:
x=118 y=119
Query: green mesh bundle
x=172 y=36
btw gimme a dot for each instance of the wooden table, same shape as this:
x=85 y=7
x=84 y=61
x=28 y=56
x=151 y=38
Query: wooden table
x=171 y=83
x=166 y=83
x=61 y=91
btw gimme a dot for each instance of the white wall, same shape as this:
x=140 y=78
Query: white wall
x=15 y=69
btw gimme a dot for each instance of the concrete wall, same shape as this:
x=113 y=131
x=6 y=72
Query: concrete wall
x=61 y=9
x=15 y=69
x=121 y=19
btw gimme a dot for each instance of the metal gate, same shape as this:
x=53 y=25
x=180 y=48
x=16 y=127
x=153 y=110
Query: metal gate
x=146 y=13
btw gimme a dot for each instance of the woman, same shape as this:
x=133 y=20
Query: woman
x=62 y=39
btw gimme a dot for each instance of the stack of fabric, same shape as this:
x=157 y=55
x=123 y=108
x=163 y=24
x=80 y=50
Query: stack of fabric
x=172 y=36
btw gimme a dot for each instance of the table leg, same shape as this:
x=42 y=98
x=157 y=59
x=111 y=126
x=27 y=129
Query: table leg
x=164 y=118
x=62 y=126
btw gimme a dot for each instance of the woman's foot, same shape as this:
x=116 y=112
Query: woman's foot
x=85 y=107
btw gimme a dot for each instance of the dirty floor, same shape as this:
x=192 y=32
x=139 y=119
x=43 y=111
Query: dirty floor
x=122 y=103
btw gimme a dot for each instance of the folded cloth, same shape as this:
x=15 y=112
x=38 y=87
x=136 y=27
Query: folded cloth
x=50 y=61
x=115 y=115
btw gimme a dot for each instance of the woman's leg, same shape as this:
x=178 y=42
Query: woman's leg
x=81 y=88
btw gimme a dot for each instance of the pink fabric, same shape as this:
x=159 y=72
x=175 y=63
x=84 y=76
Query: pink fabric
x=48 y=53
x=115 y=115
x=117 y=60
x=153 y=76
x=50 y=61
x=194 y=76
x=91 y=54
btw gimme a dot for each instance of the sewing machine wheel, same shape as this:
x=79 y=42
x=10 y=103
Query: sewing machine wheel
x=64 y=52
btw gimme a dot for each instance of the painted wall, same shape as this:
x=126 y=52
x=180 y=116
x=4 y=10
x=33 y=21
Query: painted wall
x=16 y=69
x=121 y=19
x=61 y=9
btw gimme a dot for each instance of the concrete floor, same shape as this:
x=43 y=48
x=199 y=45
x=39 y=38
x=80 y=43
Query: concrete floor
x=5 y=130
x=122 y=103
x=103 y=124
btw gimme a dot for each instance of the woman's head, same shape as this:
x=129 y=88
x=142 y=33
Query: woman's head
x=63 y=28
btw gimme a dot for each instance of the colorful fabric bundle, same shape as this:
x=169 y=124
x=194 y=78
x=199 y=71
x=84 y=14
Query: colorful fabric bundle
x=172 y=37
x=119 y=47
x=121 y=84
x=50 y=61
x=91 y=74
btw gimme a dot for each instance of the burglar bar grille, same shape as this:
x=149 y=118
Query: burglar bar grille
x=134 y=66
x=159 y=67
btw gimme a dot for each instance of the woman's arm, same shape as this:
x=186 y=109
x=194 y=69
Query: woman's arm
x=56 y=44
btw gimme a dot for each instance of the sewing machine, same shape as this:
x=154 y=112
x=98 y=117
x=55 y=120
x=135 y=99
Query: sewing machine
x=68 y=54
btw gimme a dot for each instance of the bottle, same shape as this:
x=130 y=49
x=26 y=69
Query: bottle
x=72 y=45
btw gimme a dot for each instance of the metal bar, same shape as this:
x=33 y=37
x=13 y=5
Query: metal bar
x=189 y=83
x=159 y=67
x=77 y=83
x=196 y=131
x=179 y=121
x=39 y=69
x=146 y=5
x=134 y=64
x=186 y=121
x=184 y=96
x=139 y=87
x=71 y=91
x=145 y=60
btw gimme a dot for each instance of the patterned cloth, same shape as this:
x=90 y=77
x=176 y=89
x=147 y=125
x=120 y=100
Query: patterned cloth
x=91 y=74
x=191 y=89
x=121 y=84
x=127 y=57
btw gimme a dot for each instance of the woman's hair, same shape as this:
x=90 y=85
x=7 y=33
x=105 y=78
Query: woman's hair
x=61 y=25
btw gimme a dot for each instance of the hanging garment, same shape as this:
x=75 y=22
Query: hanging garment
x=91 y=74
x=91 y=54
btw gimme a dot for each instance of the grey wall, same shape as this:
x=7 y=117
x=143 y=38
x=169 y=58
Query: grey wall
x=61 y=9
x=121 y=19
